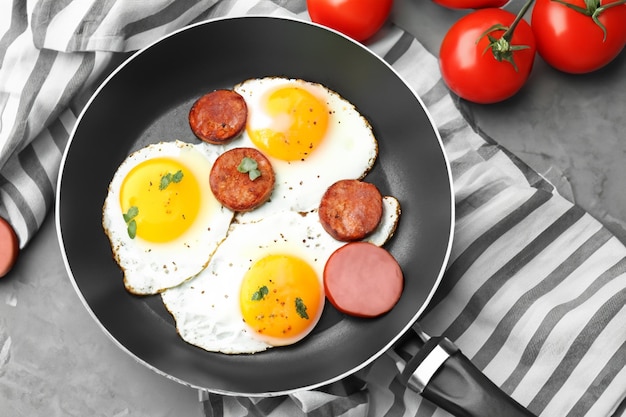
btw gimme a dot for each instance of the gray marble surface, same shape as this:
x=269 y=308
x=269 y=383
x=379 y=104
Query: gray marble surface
x=55 y=360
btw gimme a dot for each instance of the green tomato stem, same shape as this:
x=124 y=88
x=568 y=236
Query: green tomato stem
x=598 y=10
x=509 y=33
x=593 y=9
x=501 y=48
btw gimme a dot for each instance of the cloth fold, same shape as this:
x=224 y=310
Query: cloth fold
x=535 y=288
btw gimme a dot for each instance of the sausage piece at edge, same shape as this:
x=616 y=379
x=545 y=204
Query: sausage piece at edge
x=363 y=280
x=9 y=247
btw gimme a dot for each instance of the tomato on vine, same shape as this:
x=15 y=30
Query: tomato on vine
x=487 y=55
x=579 y=36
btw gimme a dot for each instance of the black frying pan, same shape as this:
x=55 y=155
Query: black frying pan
x=147 y=99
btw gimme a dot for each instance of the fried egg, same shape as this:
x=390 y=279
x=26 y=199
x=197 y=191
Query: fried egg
x=161 y=218
x=263 y=286
x=232 y=307
x=312 y=136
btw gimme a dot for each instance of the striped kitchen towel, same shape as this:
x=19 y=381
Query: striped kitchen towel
x=535 y=288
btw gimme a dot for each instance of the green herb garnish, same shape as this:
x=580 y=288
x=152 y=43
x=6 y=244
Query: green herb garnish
x=260 y=293
x=132 y=229
x=169 y=178
x=131 y=224
x=249 y=166
x=301 y=308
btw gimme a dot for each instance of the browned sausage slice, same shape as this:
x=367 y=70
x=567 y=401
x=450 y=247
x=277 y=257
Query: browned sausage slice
x=218 y=116
x=240 y=191
x=363 y=280
x=351 y=209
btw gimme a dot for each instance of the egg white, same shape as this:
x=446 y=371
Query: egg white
x=388 y=222
x=151 y=267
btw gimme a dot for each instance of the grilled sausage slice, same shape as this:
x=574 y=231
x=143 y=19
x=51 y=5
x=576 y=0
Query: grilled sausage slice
x=237 y=190
x=351 y=209
x=218 y=116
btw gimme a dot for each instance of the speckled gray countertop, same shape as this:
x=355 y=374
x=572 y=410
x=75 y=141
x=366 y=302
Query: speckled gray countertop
x=55 y=360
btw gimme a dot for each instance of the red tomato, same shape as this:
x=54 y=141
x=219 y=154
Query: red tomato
x=571 y=41
x=468 y=65
x=359 y=19
x=470 y=4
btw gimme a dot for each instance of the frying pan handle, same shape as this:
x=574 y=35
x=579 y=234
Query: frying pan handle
x=445 y=376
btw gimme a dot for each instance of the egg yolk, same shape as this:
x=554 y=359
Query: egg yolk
x=281 y=298
x=162 y=197
x=299 y=123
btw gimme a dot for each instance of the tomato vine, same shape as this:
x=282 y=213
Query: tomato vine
x=593 y=9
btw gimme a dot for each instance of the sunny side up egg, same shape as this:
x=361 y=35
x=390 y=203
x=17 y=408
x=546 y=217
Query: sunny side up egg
x=312 y=136
x=263 y=286
x=210 y=310
x=161 y=217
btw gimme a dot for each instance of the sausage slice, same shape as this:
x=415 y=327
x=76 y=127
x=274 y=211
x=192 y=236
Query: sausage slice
x=363 y=280
x=9 y=247
x=218 y=116
x=237 y=190
x=351 y=209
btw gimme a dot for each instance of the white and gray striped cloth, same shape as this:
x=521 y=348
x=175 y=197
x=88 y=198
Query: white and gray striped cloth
x=535 y=288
